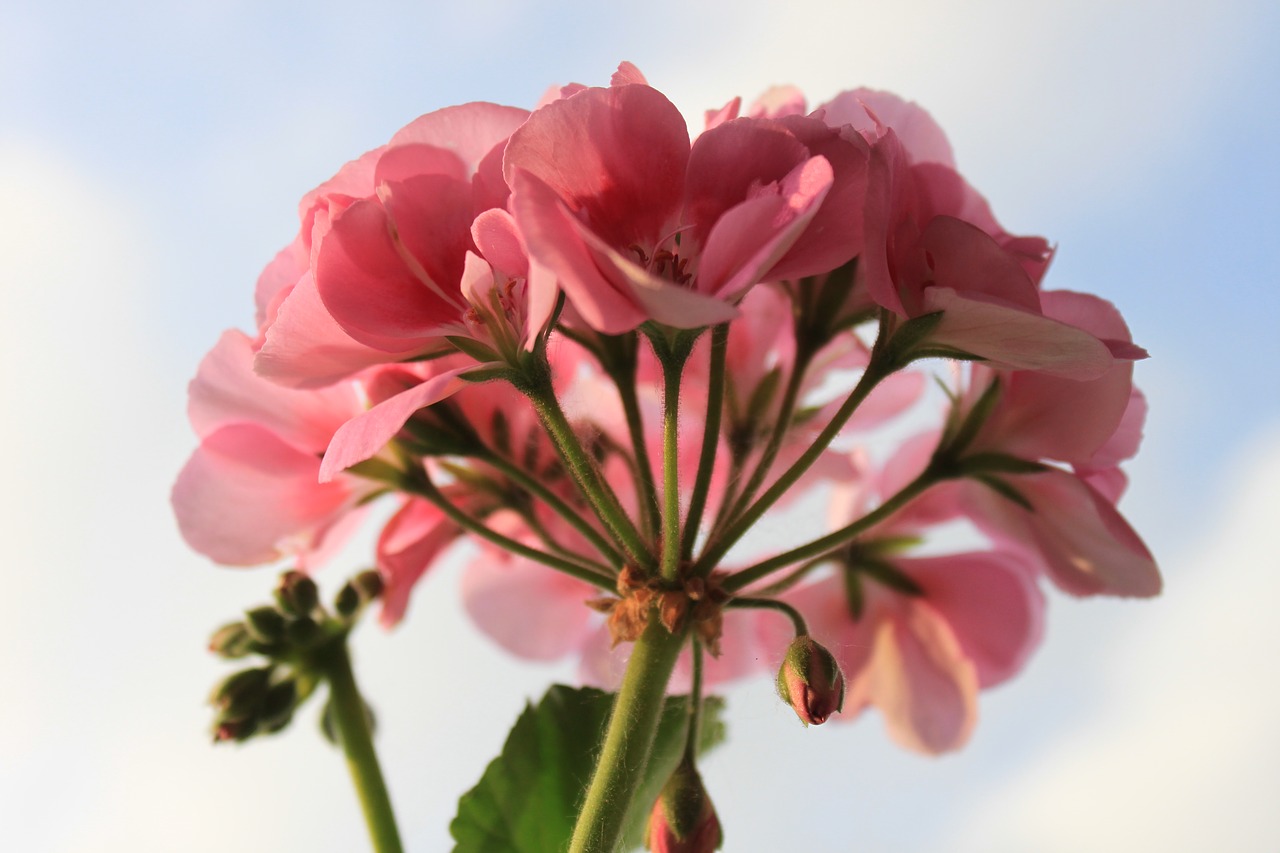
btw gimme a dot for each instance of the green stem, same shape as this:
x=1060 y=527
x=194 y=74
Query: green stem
x=710 y=439
x=633 y=726
x=876 y=370
x=424 y=488
x=352 y=723
x=843 y=536
x=695 y=704
x=782 y=607
x=780 y=426
x=672 y=368
x=645 y=488
x=594 y=488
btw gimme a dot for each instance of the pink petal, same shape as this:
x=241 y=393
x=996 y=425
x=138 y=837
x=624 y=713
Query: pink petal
x=226 y=390
x=289 y=265
x=306 y=348
x=1088 y=547
x=364 y=436
x=432 y=218
x=247 y=497
x=750 y=238
x=614 y=156
x=923 y=683
x=469 y=130
x=870 y=111
x=626 y=75
x=992 y=604
x=409 y=544
x=499 y=240
x=778 y=101
x=530 y=610
x=1011 y=338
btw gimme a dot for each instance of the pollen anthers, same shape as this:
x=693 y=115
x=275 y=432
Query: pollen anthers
x=689 y=601
x=664 y=264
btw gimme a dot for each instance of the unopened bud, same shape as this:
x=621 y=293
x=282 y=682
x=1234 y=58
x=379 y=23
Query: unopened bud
x=810 y=681
x=265 y=624
x=369 y=584
x=347 y=601
x=231 y=641
x=296 y=593
x=683 y=819
x=304 y=632
x=278 y=704
x=240 y=694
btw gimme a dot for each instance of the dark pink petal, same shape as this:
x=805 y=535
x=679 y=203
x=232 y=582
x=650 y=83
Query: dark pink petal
x=559 y=256
x=409 y=544
x=363 y=437
x=226 y=391
x=404 y=162
x=749 y=239
x=431 y=216
x=369 y=287
x=715 y=118
x=1011 y=338
x=964 y=258
x=616 y=157
x=306 y=348
x=247 y=497
x=992 y=604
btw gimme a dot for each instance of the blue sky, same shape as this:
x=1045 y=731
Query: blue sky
x=152 y=156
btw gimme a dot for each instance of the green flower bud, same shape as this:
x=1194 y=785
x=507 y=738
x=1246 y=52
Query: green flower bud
x=265 y=624
x=810 y=681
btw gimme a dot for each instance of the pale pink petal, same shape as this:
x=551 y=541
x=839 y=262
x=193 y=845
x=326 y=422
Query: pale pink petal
x=364 y=436
x=1088 y=548
x=715 y=118
x=306 y=348
x=403 y=162
x=923 y=683
x=991 y=602
x=778 y=101
x=869 y=112
x=469 y=130
x=246 y=497
x=289 y=265
x=1009 y=337
x=409 y=544
x=888 y=400
x=530 y=610
x=226 y=390
x=626 y=75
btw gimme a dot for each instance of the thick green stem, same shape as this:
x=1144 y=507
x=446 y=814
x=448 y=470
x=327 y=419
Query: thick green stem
x=594 y=488
x=352 y=724
x=710 y=439
x=633 y=726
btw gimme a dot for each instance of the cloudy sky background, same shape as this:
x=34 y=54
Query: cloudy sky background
x=151 y=159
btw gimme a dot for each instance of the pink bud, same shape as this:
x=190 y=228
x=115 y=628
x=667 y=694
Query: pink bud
x=683 y=819
x=810 y=681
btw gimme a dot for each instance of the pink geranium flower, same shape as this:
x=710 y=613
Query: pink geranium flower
x=636 y=224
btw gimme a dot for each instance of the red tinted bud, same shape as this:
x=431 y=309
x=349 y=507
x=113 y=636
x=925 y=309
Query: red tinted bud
x=683 y=819
x=810 y=681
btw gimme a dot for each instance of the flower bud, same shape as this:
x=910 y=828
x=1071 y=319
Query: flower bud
x=810 y=681
x=240 y=694
x=296 y=593
x=369 y=584
x=231 y=641
x=265 y=624
x=683 y=819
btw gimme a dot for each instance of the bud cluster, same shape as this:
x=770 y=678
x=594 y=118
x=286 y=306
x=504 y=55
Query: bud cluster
x=292 y=634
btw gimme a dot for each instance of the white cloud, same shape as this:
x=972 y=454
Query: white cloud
x=1183 y=750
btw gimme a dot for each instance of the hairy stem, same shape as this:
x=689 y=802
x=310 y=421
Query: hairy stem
x=710 y=439
x=352 y=724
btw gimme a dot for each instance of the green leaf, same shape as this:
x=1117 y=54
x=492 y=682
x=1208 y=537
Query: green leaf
x=527 y=799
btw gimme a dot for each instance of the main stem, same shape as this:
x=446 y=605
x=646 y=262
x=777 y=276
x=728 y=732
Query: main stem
x=352 y=723
x=633 y=726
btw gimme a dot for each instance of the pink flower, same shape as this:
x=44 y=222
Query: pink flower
x=250 y=492
x=635 y=224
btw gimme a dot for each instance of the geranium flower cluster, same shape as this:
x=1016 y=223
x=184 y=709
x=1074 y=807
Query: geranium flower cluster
x=601 y=347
